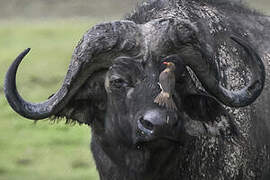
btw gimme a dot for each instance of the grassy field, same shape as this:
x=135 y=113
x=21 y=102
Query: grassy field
x=43 y=150
x=261 y=5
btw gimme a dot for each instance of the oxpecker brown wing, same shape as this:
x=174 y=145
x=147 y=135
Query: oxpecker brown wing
x=167 y=85
x=167 y=81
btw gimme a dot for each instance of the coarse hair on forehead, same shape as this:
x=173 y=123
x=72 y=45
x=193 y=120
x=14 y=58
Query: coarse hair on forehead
x=149 y=8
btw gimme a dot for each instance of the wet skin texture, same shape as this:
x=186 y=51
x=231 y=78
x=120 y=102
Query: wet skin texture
x=220 y=128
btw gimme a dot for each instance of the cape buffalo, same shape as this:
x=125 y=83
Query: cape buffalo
x=220 y=128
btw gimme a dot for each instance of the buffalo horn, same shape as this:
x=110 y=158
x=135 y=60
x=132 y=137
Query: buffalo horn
x=88 y=57
x=239 y=98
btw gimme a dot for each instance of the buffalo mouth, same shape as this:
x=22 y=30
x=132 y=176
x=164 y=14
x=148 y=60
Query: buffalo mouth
x=156 y=142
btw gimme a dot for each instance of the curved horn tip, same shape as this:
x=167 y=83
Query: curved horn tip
x=22 y=55
x=22 y=107
x=26 y=51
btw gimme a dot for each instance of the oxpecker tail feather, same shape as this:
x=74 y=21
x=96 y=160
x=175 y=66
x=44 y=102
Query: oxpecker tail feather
x=164 y=99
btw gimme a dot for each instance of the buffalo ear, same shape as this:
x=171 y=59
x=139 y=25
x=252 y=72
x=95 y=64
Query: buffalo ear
x=206 y=116
x=202 y=107
x=88 y=104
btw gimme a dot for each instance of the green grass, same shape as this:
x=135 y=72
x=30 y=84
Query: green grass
x=43 y=150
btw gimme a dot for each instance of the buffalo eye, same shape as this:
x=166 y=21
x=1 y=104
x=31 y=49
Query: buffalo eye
x=117 y=82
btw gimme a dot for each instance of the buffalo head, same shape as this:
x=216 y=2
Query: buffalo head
x=112 y=81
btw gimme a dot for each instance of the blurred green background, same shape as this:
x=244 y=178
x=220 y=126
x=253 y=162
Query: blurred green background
x=52 y=28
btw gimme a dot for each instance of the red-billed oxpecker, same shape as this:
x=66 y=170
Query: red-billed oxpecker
x=167 y=85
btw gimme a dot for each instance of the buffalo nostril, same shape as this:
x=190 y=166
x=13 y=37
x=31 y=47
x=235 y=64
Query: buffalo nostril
x=147 y=124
